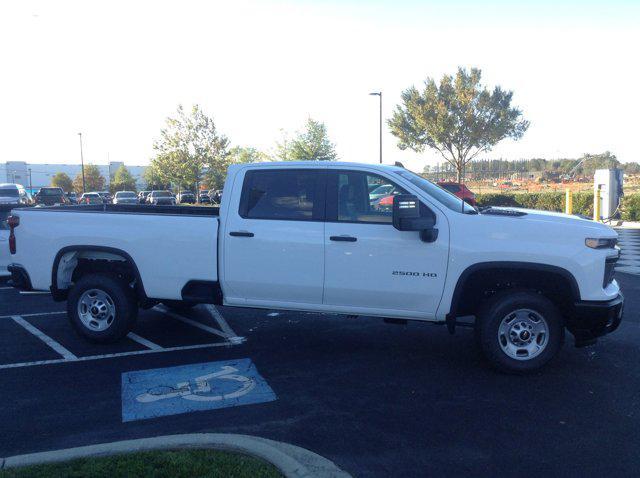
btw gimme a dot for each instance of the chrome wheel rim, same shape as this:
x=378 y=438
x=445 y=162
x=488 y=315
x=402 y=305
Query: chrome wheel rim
x=96 y=310
x=523 y=334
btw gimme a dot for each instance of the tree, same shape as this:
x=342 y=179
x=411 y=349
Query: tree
x=94 y=181
x=62 y=180
x=123 y=180
x=243 y=155
x=459 y=118
x=312 y=144
x=189 y=150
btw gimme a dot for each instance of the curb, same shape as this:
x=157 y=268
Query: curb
x=292 y=461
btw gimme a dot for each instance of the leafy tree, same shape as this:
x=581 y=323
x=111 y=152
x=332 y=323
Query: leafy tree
x=123 y=180
x=189 y=150
x=459 y=118
x=242 y=155
x=312 y=144
x=62 y=180
x=94 y=181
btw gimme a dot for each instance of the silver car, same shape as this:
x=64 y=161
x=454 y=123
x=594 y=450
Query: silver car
x=125 y=197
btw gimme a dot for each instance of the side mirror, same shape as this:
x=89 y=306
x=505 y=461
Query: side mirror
x=406 y=214
x=406 y=217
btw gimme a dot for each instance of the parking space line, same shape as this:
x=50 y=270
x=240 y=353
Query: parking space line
x=114 y=355
x=45 y=338
x=206 y=328
x=221 y=322
x=5 y=288
x=37 y=314
x=143 y=341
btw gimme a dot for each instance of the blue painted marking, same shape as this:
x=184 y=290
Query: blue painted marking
x=190 y=388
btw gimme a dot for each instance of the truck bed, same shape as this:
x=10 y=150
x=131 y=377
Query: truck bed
x=169 y=245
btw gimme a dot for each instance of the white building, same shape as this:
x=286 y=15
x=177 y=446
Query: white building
x=41 y=174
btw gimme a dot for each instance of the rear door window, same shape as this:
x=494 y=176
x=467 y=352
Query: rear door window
x=283 y=194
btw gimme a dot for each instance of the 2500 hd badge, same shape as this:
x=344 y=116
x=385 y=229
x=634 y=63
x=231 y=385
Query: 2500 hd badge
x=414 y=274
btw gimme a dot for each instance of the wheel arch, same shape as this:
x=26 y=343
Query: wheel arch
x=527 y=272
x=100 y=253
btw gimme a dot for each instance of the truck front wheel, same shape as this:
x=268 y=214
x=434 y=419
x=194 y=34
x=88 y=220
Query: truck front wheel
x=519 y=331
x=102 y=308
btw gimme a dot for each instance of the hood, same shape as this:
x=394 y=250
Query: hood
x=561 y=219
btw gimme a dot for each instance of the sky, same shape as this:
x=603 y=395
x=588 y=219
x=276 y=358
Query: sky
x=115 y=70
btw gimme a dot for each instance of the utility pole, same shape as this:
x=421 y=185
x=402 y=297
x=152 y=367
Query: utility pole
x=30 y=183
x=379 y=94
x=84 y=190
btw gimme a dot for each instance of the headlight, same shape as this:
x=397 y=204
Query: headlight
x=600 y=243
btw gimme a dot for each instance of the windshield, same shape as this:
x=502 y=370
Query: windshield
x=161 y=194
x=125 y=195
x=9 y=193
x=50 y=192
x=442 y=196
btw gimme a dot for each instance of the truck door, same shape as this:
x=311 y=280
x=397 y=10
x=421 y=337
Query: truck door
x=368 y=263
x=274 y=238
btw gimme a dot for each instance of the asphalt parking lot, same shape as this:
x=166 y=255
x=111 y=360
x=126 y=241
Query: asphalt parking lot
x=377 y=399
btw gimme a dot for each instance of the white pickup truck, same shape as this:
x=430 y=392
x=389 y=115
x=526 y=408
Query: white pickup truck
x=316 y=236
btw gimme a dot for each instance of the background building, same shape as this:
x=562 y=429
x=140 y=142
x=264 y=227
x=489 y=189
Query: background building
x=41 y=174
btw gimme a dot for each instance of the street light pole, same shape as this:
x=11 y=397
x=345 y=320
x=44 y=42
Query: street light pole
x=30 y=183
x=82 y=165
x=379 y=94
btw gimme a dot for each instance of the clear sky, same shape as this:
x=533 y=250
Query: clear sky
x=114 y=70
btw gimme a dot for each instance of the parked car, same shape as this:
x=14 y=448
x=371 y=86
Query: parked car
x=106 y=197
x=381 y=191
x=186 y=197
x=14 y=194
x=142 y=196
x=161 y=198
x=91 y=198
x=72 y=198
x=204 y=197
x=125 y=197
x=50 y=197
x=303 y=236
x=459 y=190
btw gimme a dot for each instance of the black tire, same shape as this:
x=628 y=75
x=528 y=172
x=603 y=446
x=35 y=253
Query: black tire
x=124 y=304
x=503 y=306
x=179 y=305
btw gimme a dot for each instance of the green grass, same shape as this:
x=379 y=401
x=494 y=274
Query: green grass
x=179 y=463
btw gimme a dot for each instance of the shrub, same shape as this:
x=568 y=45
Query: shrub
x=630 y=207
x=546 y=201
x=495 y=199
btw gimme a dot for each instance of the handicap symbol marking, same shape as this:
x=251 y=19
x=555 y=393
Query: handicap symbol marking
x=190 y=388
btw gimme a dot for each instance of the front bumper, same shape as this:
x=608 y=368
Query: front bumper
x=593 y=319
x=19 y=277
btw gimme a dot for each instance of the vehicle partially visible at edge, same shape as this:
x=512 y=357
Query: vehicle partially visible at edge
x=14 y=194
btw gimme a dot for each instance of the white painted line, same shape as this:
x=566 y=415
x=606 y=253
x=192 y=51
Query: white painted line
x=206 y=328
x=34 y=292
x=5 y=288
x=116 y=355
x=45 y=338
x=37 y=314
x=221 y=322
x=143 y=341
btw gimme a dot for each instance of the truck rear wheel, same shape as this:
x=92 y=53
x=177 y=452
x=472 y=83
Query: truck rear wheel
x=519 y=331
x=102 y=308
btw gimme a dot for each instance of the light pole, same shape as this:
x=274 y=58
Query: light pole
x=30 y=183
x=82 y=165
x=379 y=94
